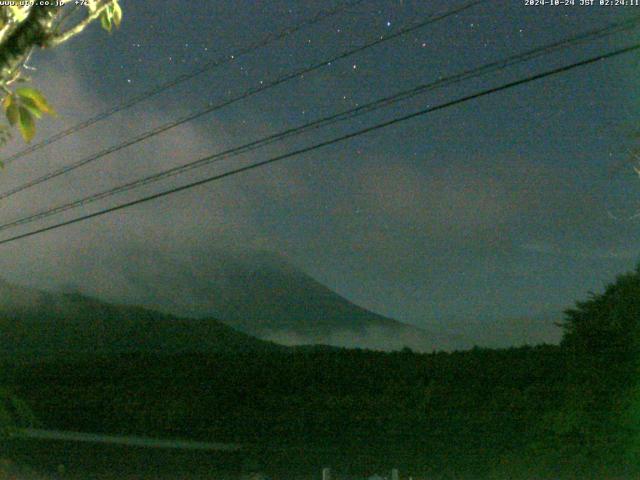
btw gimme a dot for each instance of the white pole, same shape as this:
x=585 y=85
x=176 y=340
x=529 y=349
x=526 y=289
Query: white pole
x=326 y=474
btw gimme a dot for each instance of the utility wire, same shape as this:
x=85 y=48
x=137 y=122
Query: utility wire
x=217 y=62
x=333 y=141
x=329 y=120
x=217 y=106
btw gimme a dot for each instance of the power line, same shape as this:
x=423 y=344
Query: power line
x=326 y=143
x=249 y=93
x=222 y=60
x=329 y=120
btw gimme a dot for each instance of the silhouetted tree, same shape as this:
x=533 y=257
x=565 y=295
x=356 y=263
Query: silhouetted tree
x=607 y=324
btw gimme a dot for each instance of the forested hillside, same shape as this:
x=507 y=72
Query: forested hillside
x=567 y=411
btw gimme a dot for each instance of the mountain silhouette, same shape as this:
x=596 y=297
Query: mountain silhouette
x=38 y=323
x=263 y=295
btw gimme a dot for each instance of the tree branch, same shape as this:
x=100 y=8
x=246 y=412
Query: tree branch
x=11 y=21
x=34 y=31
x=58 y=39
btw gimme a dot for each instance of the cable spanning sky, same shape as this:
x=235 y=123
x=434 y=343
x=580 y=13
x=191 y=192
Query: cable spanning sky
x=485 y=219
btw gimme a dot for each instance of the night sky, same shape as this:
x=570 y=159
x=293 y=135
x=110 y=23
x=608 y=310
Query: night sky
x=506 y=207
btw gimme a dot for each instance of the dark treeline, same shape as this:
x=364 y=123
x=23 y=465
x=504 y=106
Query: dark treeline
x=568 y=411
x=412 y=409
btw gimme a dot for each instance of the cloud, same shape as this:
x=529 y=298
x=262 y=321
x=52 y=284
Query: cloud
x=580 y=252
x=221 y=212
x=449 y=198
x=419 y=238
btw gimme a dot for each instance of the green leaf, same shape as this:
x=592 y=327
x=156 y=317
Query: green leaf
x=32 y=107
x=13 y=115
x=6 y=101
x=117 y=14
x=27 y=125
x=35 y=99
x=105 y=19
x=19 y=13
x=91 y=5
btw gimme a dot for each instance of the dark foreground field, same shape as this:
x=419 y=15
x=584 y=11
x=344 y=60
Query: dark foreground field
x=55 y=460
x=476 y=414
